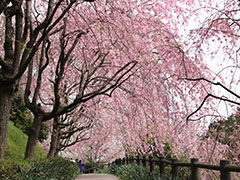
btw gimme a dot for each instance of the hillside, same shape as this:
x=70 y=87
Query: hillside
x=14 y=167
x=16 y=143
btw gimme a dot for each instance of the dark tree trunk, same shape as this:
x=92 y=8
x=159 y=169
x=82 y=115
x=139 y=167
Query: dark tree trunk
x=54 y=143
x=56 y=153
x=6 y=92
x=58 y=148
x=33 y=137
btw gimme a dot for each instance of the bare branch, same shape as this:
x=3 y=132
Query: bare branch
x=104 y=87
x=40 y=71
x=3 y=5
x=46 y=26
x=205 y=99
x=217 y=84
x=18 y=40
x=4 y=64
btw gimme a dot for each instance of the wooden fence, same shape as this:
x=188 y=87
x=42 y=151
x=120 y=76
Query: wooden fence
x=224 y=166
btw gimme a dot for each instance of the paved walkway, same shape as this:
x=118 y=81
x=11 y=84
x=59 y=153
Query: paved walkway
x=96 y=177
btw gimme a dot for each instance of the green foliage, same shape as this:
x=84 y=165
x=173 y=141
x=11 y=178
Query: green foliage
x=14 y=158
x=14 y=167
x=135 y=172
x=132 y=172
x=227 y=127
x=16 y=144
x=54 y=169
x=10 y=169
x=110 y=170
x=23 y=119
x=90 y=164
x=168 y=153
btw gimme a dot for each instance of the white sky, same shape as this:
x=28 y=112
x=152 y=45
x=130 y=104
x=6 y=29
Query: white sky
x=217 y=62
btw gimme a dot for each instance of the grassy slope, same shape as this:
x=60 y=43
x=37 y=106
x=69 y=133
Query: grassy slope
x=14 y=167
x=16 y=144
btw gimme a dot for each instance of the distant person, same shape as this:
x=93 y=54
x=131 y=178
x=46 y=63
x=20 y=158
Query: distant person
x=80 y=165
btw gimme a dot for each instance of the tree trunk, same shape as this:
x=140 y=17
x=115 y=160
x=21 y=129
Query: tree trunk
x=53 y=146
x=33 y=137
x=58 y=145
x=56 y=153
x=6 y=92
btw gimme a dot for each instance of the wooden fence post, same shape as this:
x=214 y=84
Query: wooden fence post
x=225 y=175
x=131 y=159
x=123 y=161
x=138 y=160
x=174 y=170
x=161 y=165
x=195 y=175
x=120 y=161
x=151 y=163
x=144 y=161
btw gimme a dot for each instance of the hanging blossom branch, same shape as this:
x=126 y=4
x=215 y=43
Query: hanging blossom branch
x=211 y=95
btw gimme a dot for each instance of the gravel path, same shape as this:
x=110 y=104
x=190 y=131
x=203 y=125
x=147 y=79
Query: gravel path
x=96 y=177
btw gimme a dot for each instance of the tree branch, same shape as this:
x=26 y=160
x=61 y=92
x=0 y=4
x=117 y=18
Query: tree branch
x=214 y=83
x=4 y=64
x=3 y=5
x=205 y=99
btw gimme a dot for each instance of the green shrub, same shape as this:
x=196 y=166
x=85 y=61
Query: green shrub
x=135 y=172
x=110 y=170
x=54 y=169
x=90 y=165
x=10 y=169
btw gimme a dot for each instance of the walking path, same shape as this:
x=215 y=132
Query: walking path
x=96 y=177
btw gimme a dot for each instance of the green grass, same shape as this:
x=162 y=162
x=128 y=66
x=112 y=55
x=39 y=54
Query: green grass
x=16 y=144
x=14 y=167
x=14 y=155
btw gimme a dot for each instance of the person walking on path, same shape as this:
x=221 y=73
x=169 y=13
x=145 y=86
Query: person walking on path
x=96 y=177
x=80 y=165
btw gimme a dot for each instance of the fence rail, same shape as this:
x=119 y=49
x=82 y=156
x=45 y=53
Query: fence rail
x=224 y=167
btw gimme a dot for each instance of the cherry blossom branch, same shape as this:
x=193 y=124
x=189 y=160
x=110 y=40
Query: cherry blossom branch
x=61 y=66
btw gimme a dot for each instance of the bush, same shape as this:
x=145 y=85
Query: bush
x=54 y=169
x=135 y=172
x=10 y=169
x=90 y=165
